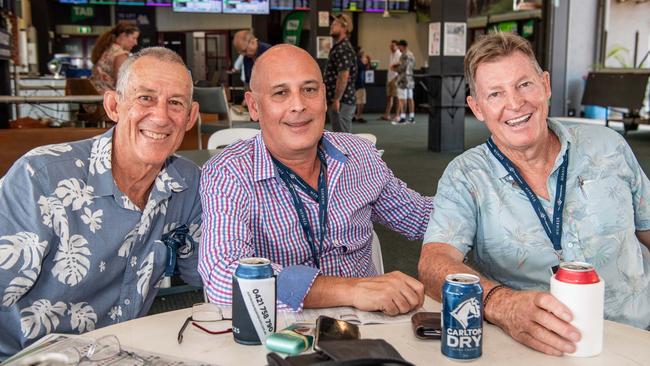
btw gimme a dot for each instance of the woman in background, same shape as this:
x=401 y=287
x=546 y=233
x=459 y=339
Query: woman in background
x=110 y=51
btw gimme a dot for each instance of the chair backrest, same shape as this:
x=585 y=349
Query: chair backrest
x=230 y=135
x=368 y=136
x=376 y=254
x=212 y=100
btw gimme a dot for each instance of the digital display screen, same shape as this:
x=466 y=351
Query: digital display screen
x=78 y=2
x=130 y=2
x=198 y=6
x=398 y=6
x=375 y=6
x=281 y=4
x=301 y=5
x=159 y=3
x=347 y=5
x=102 y=2
x=246 y=6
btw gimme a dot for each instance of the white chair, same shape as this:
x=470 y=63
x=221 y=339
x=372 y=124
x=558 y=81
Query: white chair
x=228 y=136
x=376 y=254
x=368 y=136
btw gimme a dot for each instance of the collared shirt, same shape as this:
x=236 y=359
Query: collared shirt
x=249 y=62
x=249 y=212
x=393 y=59
x=405 y=71
x=342 y=58
x=75 y=253
x=480 y=211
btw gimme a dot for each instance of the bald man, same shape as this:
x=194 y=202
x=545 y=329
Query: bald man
x=257 y=191
x=251 y=48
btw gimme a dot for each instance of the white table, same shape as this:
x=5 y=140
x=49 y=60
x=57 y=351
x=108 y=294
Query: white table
x=623 y=345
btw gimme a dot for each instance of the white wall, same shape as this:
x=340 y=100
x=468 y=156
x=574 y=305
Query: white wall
x=375 y=34
x=624 y=20
x=169 y=21
x=581 y=49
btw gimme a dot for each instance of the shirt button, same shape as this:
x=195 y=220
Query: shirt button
x=344 y=249
x=127 y=302
x=570 y=245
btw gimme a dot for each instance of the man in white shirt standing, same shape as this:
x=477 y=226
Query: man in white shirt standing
x=391 y=82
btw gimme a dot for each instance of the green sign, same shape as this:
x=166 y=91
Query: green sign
x=508 y=27
x=82 y=13
x=292 y=28
x=528 y=28
x=84 y=29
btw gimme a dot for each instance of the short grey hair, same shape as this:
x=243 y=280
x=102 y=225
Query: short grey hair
x=160 y=54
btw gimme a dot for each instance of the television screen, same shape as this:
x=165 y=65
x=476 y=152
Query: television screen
x=281 y=4
x=301 y=5
x=159 y=3
x=246 y=6
x=130 y=2
x=198 y=6
x=352 y=5
x=398 y=6
x=102 y=2
x=78 y=2
x=375 y=6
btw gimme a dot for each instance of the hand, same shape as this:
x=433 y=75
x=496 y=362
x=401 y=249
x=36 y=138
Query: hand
x=536 y=319
x=392 y=293
x=336 y=105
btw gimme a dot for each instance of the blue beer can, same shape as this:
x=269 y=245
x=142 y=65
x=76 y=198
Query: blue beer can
x=462 y=317
x=253 y=301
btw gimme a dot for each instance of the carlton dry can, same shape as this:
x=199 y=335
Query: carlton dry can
x=577 y=285
x=253 y=301
x=462 y=317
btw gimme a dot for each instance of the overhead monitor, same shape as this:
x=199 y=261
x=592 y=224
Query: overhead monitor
x=375 y=6
x=158 y=2
x=398 y=6
x=198 y=6
x=347 y=5
x=131 y=2
x=301 y=5
x=102 y=2
x=76 y=2
x=246 y=6
x=281 y=4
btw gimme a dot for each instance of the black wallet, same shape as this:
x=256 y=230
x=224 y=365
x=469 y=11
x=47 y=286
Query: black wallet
x=427 y=325
x=360 y=352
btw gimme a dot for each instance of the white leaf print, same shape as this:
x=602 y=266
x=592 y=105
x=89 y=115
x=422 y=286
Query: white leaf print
x=164 y=182
x=71 y=260
x=18 y=287
x=53 y=214
x=144 y=275
x=75 y=192
x=129 y=205
x=41 y=314
x=54 y=150
x=1 y=180
x=100 y=156
x=30 y=170
x=23 y=244
x=149 y=213
x=82 y=317
x=102 y=266
x=134 y=261
x=115 y=312
x=79 y=163
x=92 y=219
x=125 y=249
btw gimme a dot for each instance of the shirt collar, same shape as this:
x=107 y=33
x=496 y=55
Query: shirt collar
x=100 y=175
x=558 y=129
x=264 y=168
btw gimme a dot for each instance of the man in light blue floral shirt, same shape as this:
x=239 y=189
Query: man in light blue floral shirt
x=538 y=193
x=87 y=228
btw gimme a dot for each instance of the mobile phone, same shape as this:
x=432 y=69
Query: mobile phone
x=330 y=329
x=427 y=325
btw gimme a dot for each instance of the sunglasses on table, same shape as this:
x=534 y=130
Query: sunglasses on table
x=202 y=315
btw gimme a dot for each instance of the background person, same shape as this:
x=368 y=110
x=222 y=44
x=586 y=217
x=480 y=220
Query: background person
x=391 y=82
x=110 y=51
x=340 y=75
x=592 y=197
x=405 y=85
x=340 y=185
x=363 y=64
x=88 y=227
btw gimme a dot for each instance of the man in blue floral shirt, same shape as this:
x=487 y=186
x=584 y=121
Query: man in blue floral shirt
x=87 y=228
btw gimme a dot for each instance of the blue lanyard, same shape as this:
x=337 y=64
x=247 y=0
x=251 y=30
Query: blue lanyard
x=553 y=228
x=292 y=180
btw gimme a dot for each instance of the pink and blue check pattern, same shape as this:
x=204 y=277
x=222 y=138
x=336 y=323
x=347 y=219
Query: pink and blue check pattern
x=247 y=212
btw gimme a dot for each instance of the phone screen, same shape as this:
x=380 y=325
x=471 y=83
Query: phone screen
x=329 y=329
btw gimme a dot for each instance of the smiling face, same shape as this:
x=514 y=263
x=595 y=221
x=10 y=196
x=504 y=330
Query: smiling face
x=512 y=99
x=153 y=114
x=288 y=100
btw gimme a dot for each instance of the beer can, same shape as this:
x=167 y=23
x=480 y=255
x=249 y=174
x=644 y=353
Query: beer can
x=462 y=317
x=578 y=286
x=253 y=301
